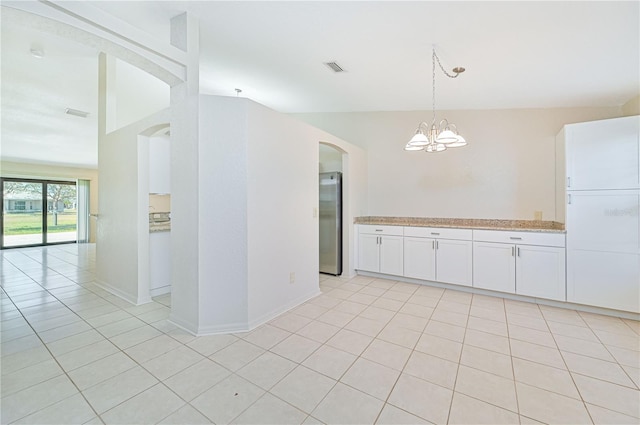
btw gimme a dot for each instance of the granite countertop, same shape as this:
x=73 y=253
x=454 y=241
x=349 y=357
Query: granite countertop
x=466 y=223
x=159 y=222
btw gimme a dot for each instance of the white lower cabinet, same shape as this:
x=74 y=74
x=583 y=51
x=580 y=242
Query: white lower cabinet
x=454 y=262
x=420 y=258
x=540 y=272
x=441 y=260
x=517 y=268
x=494 y=266
x=380 y=249
x=514 y=262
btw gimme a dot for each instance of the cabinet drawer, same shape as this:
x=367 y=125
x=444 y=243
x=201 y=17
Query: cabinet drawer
x=439 y=233
x=380 y=230
x=520 y=238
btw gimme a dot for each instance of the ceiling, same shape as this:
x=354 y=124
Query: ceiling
x=517 y=55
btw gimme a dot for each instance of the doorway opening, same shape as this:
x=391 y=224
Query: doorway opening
x=331 y=210
x=38 y=212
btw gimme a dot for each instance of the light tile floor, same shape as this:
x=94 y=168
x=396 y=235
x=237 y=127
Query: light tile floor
x=365 y=351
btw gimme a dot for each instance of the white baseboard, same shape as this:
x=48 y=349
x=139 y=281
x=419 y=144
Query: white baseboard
x=124 y=295
x=264 y=318
x=182 y=324
x=239 y=327
x=156 y=292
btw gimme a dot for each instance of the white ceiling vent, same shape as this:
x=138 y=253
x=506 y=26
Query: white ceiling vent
x=334 y=66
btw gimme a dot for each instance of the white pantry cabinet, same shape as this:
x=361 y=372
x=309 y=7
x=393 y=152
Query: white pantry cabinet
x=598 y=198
x=442 y=255
x=524 y=263
x=603 y=249
x=602 y=154
x=380 y=249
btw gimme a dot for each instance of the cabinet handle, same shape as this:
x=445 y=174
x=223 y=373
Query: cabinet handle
x=518 y=248
x=569 y=199
x=433 y=244
x=437 y=245
x=515 y=238
x=513 y=251
x=434 y=233
x=380 y=240
x=379 y=230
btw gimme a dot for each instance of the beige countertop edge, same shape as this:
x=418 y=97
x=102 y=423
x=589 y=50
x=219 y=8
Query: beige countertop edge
x=500 y=226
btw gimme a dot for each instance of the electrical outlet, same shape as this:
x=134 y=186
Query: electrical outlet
x=292 y=277
x=537 y=215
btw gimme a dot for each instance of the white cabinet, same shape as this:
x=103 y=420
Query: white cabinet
x=368 y=252
x=420 y=258
x=429 y=256
x=523 y=268
x=494 y=266
x=540 y=272
x=380 y=249
x=598 y=197
x=602 y=154
x=603 y=249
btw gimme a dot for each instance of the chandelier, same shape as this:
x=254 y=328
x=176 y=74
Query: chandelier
x=437 y=137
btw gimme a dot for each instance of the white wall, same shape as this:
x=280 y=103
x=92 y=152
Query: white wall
x=134 y=94
x=258 y=184
x=122 y=262
x=159 y=164
x=222 y=226
x=506 y=171
x=330 y=159
x=41 y=171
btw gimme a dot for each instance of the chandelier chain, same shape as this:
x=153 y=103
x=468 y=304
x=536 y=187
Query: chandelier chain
x=433 y=73
x=442 y=67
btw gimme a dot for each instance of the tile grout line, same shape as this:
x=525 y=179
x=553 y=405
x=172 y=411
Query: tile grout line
x=568 y=371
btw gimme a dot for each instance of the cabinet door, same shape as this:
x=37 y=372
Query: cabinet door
x=391 y=255
x=454 y=262
x=494 y=266
x=540 y=272
x=604 y=221
x=604 y=279
x=603 y=154
x=419 y=258
x=368 y=258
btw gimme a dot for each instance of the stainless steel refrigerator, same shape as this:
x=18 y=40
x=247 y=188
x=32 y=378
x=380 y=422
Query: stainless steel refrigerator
x=331 y=223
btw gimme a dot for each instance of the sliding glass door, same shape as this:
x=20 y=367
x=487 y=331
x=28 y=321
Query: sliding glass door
x=38 y=212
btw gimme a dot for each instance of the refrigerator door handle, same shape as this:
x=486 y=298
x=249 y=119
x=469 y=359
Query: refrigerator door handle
x=568 y=181
x=569 y=199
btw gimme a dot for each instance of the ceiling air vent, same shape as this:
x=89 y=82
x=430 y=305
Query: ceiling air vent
x=334 y=66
